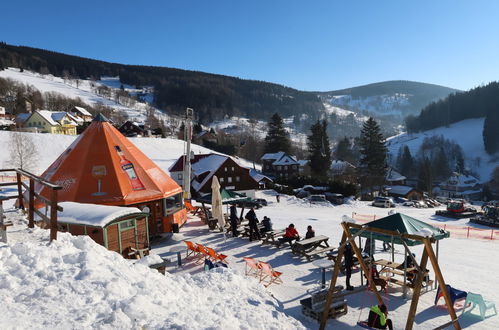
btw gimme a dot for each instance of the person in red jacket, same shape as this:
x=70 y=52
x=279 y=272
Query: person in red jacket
x=290 y=235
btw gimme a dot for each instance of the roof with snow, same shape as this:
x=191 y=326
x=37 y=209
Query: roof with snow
x=461 y=180
x=22 y=117
x=47 y=115
x=340 y=165
x=273 y=156
x=83 y=111
x=257 y=176
x=93 y=214
x=392 y=175
x=178 y=166
x=286 y=160
x=208 y=165
x=399 y=190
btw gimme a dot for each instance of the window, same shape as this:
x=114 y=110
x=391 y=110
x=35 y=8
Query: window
x=179 y=176
x=238 y=179
x=124 y=225
x=172 y=204
x=232 y=168
x=225 y=168
x=229 y=179
x=294 y=167
x=286 y=167
x=279 y=167
x=221 y=180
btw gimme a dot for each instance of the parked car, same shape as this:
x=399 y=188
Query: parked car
x=261 y=201
x=420 y=204
x=408 y=203
x=317 y=199
x=383 y=202
x=400 y=200
x=334 y=198
x=442 y=199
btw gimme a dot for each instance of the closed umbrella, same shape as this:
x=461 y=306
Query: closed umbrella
x=216 y=203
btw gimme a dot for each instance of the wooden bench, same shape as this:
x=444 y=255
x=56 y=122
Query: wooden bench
x=314 y=305
x=308 y=245
x=315 y=252
x=272 y=237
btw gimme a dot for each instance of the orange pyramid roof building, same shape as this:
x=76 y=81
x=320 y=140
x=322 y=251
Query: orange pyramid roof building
x=103 y=167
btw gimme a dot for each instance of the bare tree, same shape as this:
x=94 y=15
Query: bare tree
x=23 y=151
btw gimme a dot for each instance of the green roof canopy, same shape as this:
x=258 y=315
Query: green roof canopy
x=228 y=197
x=402 y=224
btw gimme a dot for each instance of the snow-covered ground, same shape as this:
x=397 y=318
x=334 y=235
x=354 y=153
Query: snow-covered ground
x=392 y=104
x=164 y=152
x=73 y=283
x=82 y=90
x=466 y=133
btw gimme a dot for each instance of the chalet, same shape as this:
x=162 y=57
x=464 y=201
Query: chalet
x=394 y=178
x=281 y=165
x=405 y=192
x=132 y=129
x=82 y=113
x=205 y=136
x=342 y=170
x=45 y=121
x=21 y=119
x=231 y=175
x=461 y=186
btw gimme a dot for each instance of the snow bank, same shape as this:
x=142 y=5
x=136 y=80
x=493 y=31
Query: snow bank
x=75 y=283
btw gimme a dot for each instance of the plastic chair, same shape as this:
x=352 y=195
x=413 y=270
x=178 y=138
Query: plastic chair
x=454 y=294
x=477 y=300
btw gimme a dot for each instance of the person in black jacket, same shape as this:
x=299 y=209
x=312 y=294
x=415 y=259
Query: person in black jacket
x=254 y=233
x=233 y=220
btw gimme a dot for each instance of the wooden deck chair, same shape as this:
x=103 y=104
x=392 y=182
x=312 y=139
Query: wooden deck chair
x=252 y=267
x=203 y=252
x=190 y=207
x=267 y=271
x=192 y=250
x=216 y=256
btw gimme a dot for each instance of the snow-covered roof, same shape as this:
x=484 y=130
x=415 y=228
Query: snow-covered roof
x=461 y=180
x=92 y=214
x=303 y=162
x=208 y=164
x=273 y=156
x=285 y=160
x=399 y=190
x=47 y=115
x=74 y=118
x=392 y=175
x=22 y=117
x=83 y=111
x=257 y=176
x=340 y=165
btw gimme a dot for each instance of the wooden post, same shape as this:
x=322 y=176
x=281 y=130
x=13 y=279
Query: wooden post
x=441 y=282
x=330 y=293
x=20 y=191
x=53 y=214
x=417 y=291
x=31 y=206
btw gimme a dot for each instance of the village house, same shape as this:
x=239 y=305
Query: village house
x=407 y=192
x=82 y=113
x=44 y=121
x=342 y=171
x=230 y=174
x=205 y=136
x=460 y=186
x=282 y=165
x=132 y=129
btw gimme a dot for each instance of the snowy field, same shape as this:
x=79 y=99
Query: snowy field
x=466 y=133
x=164 y=152
x=75 y=283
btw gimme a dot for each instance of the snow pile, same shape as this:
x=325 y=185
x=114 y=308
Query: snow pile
x=75 y=283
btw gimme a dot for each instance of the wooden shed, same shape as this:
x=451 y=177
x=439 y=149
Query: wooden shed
x=117 y=228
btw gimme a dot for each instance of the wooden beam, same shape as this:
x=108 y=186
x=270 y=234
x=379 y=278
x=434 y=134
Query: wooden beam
x=416 y=293
x=53 y=215
x=330 y=293
x=31 y=204
x=20 y=191
x=5 y=184
x=37 y=179
x=441 y=282
x=363 y=265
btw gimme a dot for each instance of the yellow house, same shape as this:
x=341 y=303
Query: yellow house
x=51 y=122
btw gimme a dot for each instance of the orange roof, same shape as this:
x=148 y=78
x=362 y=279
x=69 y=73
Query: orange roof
x=103 y=167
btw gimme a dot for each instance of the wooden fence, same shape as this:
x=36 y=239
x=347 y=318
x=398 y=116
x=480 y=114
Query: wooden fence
x=22 y=176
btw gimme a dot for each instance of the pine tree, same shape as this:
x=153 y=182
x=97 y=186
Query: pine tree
x=441 y=165
x=405 y=162
x=319 y=149
x=491 y=131
x=277 y=138
x=344 y=151
x=372 y=167
x=426 y=175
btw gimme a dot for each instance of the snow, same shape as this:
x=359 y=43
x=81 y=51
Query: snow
x=466 y=133
x=92 y=214
x=386 y=104
x=208 y=164
x=73 y=283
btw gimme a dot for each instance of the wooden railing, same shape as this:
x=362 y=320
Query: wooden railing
x=30 y=200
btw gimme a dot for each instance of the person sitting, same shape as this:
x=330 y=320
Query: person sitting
x=310 y=232
x=290 y=235
x=378 y=317
x=267 y=225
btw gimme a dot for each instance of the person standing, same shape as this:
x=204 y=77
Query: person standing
x=233 y=220
x=277 y=197
x=254 y=233
x=348 y=265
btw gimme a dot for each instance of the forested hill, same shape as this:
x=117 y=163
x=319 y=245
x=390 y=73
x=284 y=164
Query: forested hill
x=479 y=102
x=212 y=96
x=389 y=97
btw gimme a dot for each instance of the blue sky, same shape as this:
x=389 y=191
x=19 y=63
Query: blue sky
x=308 y=45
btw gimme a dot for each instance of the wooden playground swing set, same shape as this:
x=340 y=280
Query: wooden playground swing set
x=428 y=253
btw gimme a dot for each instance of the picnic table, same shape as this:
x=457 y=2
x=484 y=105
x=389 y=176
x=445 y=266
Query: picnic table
x=272 y=237
x=390 y=268
x=312 y=246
